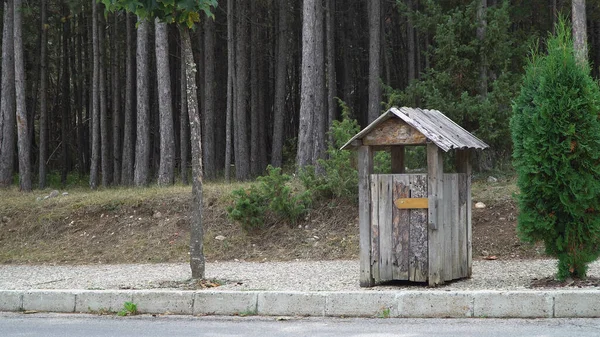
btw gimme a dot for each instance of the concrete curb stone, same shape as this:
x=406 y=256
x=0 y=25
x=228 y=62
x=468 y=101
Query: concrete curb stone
x=416 y=304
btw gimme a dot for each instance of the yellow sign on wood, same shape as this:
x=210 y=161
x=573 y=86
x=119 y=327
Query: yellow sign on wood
x=411 y=203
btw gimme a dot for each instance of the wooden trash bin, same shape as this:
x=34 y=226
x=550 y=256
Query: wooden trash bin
x=414 y=227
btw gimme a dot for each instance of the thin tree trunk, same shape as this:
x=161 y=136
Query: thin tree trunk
x=309 y=83
x=481 y=31
x=242 y=155
x=184 y=126
x=128 y=136
x=24 y=146
x=280 y=85
x=104 y=136
x=374 y=59
x=579 y=31
x=209 y=100
x=411 y=46
x=230 y=84
x=166 y=171
x=197 y=261
x=142 y=148
x=7 y=109
x=320 y=113
x=254 y=84
x=43 y=98
x=79 y=97
x=331 y=73
x=116 y=103
x=95 y=100
x=66 y=98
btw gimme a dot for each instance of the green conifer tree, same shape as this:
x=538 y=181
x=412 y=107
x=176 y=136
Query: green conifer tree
x=556 y=137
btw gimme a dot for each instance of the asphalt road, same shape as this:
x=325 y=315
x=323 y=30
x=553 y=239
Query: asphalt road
x=42 y=325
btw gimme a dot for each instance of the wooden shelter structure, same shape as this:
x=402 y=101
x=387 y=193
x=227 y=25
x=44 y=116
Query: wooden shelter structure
x=414 y=227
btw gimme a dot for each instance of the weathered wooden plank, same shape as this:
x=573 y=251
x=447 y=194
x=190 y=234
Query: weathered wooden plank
x=386 y=206
x=452 y=230
x=418 y=264
x=462 y=224
x=435 y=177
x=463 y=165
x=411 y=203
x=375 y=228
x=365 y=168
x=397 y=154
x=401 y=220
x=394 y=131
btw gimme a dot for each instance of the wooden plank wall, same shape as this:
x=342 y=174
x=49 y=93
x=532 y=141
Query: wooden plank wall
x=436 y=233
x=365 y=168
x=400 y=241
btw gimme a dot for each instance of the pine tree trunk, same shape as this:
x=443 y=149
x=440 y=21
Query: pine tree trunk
x=7 y=109
x=80 y=102
x=104 y=136
x=280 y=84
x=331 y=73
x=116 y=103
x=95 y=100
x=230 y=83
x=411 y=46
x=481 y=31
x=43 y=142
x=579 y=30
x=184 y=127
x=166 y=169
x=308 y=90
x=320 y=113
x=128 y=136
x=242 y=155
x=374 y=60
x=209 y=100
x=24 y=147
x=254 y=83
x=66 y=98
x=197 y=261
x=142 y=148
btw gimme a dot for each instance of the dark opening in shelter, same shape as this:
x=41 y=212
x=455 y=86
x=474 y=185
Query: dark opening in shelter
x=414 y=227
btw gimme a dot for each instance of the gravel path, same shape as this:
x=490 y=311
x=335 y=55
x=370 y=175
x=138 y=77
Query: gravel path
x=291 y=276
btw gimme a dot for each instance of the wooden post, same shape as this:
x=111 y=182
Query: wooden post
x=463 y=165
x=365 y=168
x=435 y=177
x=397 y=153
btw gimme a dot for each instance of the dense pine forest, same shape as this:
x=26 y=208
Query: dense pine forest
x=101 y=95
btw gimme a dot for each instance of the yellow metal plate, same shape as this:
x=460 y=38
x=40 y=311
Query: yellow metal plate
x=411 y=203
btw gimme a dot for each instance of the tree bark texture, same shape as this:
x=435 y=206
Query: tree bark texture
x=23 y=144
x=105 y=143
x=230 y=85
x=197 y=261
x=95 y=157
x=116 y=103
x=242 y=153
x=481 y=31
x=280 y=84
x=320 y=113
x=209 y=100
x=374 y=60
x=128 y=135
x=43 y=142
x=579 y=30
x=184 y=133
x=331 y=73
x=142 y=148
x=166 y=169
x=256 y=49
x=7 y=106
x=66 y=98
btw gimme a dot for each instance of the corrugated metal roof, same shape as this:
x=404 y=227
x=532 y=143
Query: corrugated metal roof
x=433 y=124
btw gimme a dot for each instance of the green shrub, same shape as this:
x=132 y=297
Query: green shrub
x=556 y=135
x=339 y=176
x=272 y=195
